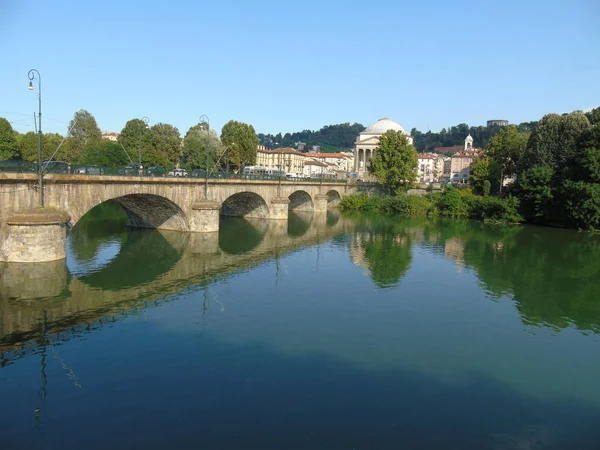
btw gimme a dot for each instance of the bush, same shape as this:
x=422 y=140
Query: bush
x=497 y=210
x=407 y=205
x=360 y=202
x=453 y=203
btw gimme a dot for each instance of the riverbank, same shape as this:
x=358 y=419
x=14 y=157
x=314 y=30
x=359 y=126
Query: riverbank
x=458 y=203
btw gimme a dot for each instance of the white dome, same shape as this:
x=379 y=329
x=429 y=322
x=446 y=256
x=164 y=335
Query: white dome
x=469 y=138
x=383 y=125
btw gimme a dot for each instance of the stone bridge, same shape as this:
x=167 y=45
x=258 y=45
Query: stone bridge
x=179 y=204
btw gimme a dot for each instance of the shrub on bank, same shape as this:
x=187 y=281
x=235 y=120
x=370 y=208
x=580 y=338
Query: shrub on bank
x=451 y=203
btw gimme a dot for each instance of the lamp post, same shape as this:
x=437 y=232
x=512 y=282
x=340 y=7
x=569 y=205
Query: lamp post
x=205 y=120
x=145 y=120
x=35 y=75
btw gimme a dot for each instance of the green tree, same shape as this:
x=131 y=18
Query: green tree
x=166 y=142
x=394 y=162
x=482 y=170
x=506 y=149
x=534 y=188
x=136 y=140
x=83 y=130
x=593 y=116
x=9 y=147
x=200 y=143
x=105 y=153
x=28 y=147
x=554 y=142
x=242 y=142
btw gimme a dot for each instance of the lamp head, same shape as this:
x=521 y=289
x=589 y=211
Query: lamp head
x=30 y=87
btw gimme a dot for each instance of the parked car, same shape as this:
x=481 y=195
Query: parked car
x=56 y=167
x=201 y=173
x=155 y=171
x=13 y=165
x=177 y=173
x=130 y=169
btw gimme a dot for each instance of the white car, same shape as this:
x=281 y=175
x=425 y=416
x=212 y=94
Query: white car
x=177 y=173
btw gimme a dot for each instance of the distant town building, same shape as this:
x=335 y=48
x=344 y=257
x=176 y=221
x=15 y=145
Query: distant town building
x=300 y=146
x=460 y=163
x=110 y=136
x=315 y=149
x=427 y=171
x=287 y=159
x=497 y=123
x=314 y=168
x=339 y=161
x=368 y=141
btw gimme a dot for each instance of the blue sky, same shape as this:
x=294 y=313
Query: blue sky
x=286 y=66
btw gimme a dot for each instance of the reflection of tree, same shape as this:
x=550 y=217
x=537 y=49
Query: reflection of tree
x=386 y=250
x=553 y=275
x=299 y=222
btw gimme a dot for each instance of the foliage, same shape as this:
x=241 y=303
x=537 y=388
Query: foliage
x=555 y=141
x=455 y=135
x=9 y=147
x=331 y=137
x=535 y=192
x=593 y=116
x=496 y=209
x=83 y=130
x=451 y=203
x=135 y=139
x=582 y=202
x=104 y=153
x=486 y=188
x=28 y=147
x=394 y=162
x=242 y=142
x=198 y=144
x=506 y=150
x=165 y=145
x=483 y=170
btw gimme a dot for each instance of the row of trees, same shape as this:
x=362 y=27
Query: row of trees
x=158 y=145
x=455 y=135
x=329 y=138
x=557 y=169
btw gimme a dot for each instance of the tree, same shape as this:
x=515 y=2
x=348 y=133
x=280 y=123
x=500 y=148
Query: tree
x=9 y=147
x=594 y=116
x=135 y=139
x=554 y=142
x=83 y=130
x=200 y=143
x=506 y=149
x=105 y=153
x=242 y=142
x=394 y=162
x=28 y=147
x=166 y=142
x=482 y=170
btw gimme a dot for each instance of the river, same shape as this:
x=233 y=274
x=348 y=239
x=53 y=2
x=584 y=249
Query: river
x=323 y=332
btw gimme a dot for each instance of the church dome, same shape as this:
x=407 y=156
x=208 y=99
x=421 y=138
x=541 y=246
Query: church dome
x=383 y=125
x=469 y=138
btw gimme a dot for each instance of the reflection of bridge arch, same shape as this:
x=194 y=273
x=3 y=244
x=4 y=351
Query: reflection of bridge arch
x=245 y=204
x=124 y=271
x=238 y=236
x=299 y=222
x=301 y=201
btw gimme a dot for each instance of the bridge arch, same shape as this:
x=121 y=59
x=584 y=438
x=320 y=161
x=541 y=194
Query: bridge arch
x=245 y=204
x=301 y=201
x=333 y=197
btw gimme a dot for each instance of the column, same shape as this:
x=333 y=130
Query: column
x=320 y=203
x=279 y=208
x=204 y=217
x=35 y=235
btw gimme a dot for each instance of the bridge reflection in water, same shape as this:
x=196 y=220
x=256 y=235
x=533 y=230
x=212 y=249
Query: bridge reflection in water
x=116 y=271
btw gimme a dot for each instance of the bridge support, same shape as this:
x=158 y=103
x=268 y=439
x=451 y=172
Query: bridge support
x=205 y=217
x=279 y=208
x=27 y=281
x=35 y=235
x=320 y=202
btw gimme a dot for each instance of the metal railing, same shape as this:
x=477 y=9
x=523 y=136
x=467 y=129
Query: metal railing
x=57 y=167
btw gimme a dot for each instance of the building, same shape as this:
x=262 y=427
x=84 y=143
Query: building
x=314 y=168
x=368 y=141
x=460 y=163
x=497 y=123
x=110 y=136
x=287 y=159
x=340 y=161
x=427 y=167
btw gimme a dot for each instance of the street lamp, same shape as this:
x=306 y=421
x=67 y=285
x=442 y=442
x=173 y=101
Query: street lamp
x=145 y=120
x=35 y=75
x=205 y=123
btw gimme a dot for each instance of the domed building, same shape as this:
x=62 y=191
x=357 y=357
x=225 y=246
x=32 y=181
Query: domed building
x=368 y=141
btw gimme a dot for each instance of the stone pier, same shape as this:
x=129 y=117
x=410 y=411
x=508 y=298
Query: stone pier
x=279 y=208
x=204 y=217
x=34 y=235
x=320 y=202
